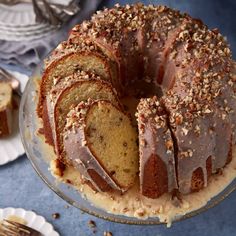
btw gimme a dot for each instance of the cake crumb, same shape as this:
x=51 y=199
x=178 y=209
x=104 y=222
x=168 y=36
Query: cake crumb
x=92 y=224
x=140 y=212
x=68 y=181
x=107 y=233
x=55 y=215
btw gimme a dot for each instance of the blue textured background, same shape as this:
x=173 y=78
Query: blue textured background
x=21 y=187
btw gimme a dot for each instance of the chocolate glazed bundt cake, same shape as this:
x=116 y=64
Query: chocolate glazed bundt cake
x=182 y=75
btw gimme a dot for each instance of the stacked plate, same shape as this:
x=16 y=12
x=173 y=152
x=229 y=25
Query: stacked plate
x=17 y=22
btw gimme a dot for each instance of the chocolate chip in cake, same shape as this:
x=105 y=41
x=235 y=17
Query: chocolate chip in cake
x=126 y=209
x=101 y=138
x=125 y=144
x=126 y=170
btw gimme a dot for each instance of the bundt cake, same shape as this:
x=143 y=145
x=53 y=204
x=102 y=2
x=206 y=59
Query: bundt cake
x=181 y=72
x=5 y=109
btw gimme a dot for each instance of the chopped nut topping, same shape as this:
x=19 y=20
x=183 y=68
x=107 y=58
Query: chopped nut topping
x=185 y=131
x=169 y=145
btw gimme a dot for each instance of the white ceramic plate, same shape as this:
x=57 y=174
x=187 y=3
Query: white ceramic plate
x=34 y=221
x=21 y=36
x=17 y=22
x=17 y=15
x=21 y=15
x=11 y=147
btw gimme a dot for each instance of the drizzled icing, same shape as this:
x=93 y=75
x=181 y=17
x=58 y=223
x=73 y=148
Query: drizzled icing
x=82 y=159
x=156 y=144
x=132 y=204
x=194 y=152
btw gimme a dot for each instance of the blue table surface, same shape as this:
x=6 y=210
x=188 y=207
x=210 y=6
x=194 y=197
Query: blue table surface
x=21 y=187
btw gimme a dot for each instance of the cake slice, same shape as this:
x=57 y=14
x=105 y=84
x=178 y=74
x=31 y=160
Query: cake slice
x=72 y=96
x=100 y=141
x=68 y=64
x=48 y=106
x=83 y=42
x=156 y=148
x=5 y=109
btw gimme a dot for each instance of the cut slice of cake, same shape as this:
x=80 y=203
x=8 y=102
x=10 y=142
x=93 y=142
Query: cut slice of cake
x=5 y=109
x=71 y=96
x=100 y=141
x=112 y=55
x=156 y=148
x=48 y=106
x=68 y=64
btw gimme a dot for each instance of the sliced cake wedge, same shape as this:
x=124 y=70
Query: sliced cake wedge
x=49 y=102
x=67 y=65
x=100 y=141
x=70 y=97
x=5 y=109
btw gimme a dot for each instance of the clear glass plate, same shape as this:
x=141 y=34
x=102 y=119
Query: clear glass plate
x=36 y=155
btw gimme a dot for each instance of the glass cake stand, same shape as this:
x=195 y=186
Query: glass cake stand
x=38 y=157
